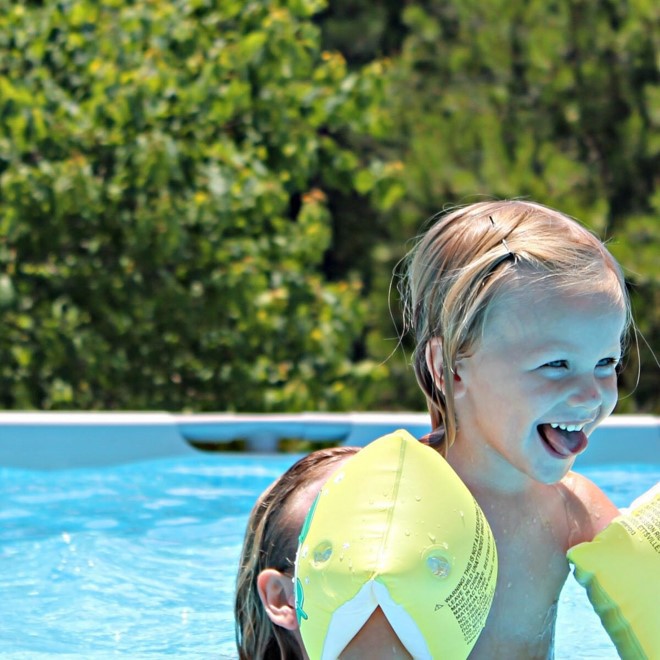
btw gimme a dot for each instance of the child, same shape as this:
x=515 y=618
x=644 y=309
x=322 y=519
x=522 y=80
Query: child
x=384 y=567
x=518 y=314
x=266 y=626
x=380 y=541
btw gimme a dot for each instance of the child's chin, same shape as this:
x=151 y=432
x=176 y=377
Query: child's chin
x=554 y=471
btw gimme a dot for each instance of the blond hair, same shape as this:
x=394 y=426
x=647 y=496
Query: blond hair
x=473 y=253
x=271 y=541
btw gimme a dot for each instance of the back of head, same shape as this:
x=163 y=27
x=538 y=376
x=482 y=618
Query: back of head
x=380 y=540
x=271 y=541
x=472 y=254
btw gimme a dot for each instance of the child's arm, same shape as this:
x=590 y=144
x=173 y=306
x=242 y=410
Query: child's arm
x=620 y=570
x=589 y=510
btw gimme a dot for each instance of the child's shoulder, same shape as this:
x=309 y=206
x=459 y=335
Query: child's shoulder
x=588 y=509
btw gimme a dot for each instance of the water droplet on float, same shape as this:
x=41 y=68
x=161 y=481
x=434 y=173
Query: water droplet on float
x=418 y=498
x=407 y=532
x=321 y=553
x=438 y=565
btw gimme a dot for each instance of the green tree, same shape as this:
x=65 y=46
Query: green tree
x=556 y=102
x=165 y=169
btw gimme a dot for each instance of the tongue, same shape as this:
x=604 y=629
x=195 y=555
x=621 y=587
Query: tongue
x=564 y=443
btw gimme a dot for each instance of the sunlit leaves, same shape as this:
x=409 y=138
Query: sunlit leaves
x=162 y=205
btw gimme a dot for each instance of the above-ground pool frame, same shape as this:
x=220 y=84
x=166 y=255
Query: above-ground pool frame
x=56 y=440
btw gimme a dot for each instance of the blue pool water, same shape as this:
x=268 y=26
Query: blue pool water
x=140 y=560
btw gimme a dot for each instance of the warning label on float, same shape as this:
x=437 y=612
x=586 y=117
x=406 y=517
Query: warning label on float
x=471 y=598
x=645 y=521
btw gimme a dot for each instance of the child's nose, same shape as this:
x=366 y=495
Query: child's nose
x=585 y=393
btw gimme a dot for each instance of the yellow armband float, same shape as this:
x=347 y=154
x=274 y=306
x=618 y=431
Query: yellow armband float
x=620 y=569
x=395 y=528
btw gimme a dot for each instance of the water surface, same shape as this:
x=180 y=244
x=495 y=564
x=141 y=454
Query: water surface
x=140 y=560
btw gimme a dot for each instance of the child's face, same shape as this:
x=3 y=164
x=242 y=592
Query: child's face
x=545 y=359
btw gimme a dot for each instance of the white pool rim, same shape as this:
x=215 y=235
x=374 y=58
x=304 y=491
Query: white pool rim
x=55 y=440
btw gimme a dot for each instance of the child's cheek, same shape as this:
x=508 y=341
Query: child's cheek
x=611 y=395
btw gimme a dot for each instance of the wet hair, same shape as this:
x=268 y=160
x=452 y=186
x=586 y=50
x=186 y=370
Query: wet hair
x=467 y=259
x=271 y=541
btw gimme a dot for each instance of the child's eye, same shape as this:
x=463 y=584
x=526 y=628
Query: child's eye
x=608 y=362
x=556 y=364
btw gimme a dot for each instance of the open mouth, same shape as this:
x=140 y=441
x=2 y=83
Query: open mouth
x=563 y=440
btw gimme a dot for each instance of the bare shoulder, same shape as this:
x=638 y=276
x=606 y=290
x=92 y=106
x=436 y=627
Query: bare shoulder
x=588 y=509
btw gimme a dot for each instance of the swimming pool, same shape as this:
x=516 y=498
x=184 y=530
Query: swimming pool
x=140 y=559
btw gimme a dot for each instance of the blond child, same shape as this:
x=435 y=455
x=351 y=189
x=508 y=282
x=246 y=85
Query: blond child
x=519 y=314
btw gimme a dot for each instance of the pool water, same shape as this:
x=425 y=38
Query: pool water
x=140 y=560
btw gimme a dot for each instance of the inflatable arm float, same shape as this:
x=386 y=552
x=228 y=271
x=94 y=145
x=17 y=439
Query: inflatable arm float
x=394 y=527
x=620 y=569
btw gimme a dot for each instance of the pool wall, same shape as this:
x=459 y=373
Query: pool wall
x=56 y=440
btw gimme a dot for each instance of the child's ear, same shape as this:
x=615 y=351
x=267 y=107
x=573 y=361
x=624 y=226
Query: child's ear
x=434 y=362
x=276 y=593
x=435 y=365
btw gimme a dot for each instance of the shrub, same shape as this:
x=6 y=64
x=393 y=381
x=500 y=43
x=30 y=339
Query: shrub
x=165 y=168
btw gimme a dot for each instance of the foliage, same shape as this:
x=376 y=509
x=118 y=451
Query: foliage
x=557 y=102
x=202 y=201
x=164 y=178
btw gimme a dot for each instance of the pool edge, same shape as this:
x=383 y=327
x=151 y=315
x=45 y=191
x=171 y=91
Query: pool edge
x=56 y=440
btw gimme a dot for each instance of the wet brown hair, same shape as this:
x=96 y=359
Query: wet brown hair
x=467 y=258
x=271 y=541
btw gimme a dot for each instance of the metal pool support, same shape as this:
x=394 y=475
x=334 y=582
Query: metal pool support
x=56 y=440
